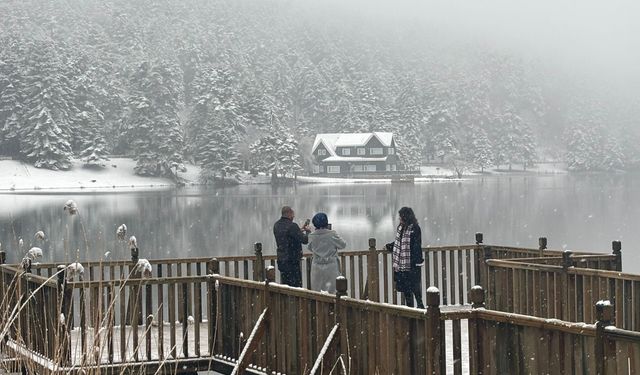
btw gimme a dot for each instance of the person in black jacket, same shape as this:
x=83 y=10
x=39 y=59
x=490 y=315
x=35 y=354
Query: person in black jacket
x=289 y=240
x=407 y=257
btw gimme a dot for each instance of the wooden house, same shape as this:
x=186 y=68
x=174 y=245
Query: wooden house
x=353 y=154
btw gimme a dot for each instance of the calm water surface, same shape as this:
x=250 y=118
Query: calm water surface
x=584 y=212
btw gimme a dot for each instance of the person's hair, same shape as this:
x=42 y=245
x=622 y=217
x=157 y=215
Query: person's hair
x=407 y=215
x=286 y=211
x=320 y=220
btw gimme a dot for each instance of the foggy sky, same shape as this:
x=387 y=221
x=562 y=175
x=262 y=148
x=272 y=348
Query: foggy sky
x=595 y=40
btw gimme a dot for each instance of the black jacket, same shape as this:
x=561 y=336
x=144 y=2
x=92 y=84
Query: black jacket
x=416 y=246
x=289 y=239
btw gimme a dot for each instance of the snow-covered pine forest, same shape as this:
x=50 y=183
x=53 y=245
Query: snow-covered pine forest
x=246 y=84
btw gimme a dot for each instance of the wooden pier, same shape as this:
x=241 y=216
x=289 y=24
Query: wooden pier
x=490 y=310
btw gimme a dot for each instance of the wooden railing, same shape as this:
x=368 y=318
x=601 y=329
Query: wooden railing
x=29 y=307
x=452 y=269
x=265 y=327
x=565 y=289
x=519 y=344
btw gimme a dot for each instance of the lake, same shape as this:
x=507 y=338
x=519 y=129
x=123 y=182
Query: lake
x=576 y=212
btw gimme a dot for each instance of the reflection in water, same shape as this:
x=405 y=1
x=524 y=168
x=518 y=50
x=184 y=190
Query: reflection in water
x=575 y=212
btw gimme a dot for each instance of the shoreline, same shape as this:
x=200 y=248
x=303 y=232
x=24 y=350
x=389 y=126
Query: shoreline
x=118 y=176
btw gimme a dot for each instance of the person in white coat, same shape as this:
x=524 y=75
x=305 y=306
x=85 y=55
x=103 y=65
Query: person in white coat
x=324 y=243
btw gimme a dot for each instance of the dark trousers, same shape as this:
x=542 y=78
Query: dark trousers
x=417 y=293
x=409 y=283
x=291 y=276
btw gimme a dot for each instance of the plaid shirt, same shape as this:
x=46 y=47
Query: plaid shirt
x=402 y=249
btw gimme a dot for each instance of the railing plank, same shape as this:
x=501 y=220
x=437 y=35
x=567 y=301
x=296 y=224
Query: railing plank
x=171 y=306
x=457 y=347
x=461 y=288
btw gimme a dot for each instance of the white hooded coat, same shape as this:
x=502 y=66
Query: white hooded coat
x=325 y=266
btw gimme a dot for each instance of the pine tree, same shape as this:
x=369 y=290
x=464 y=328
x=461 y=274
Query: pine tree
x=47 y=112
x=95 y=153
x=217 y=153
x=277 y=152
x=254 y=105
x=88 y=119
x=310 y=104
x=583 y=152
x=478 y=151
x=10 y=112
x=214 y=104
x=440 y=125
x=152 y=123
x=514 y=142
x=44 y=144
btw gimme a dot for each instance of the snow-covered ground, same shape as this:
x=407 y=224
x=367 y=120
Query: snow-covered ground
x=540 y=168
x=118 y=174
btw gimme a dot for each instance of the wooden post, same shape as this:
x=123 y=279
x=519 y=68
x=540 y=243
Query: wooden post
x=213 y=268
x=270 y=334
x=605 y=356
x=340 y=318
x=435 y=352
x=258 y=264
x=271 y=274
x=486 y=280
x=341 y=286
x=479 y=238
x=476 y=358
x=616 y=246
x=542 y=245
x=566 y=259
x=372 y=272
x=476 y=295
x=479 y=259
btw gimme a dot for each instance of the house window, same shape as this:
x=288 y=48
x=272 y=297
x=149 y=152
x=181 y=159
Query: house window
x=388 y=167
x=333 y=169
x=371 y=168
x=394 y=167
x=346 y=152
x=391 y=151
x=361 y=151
x=357 y=168
x=376 y=151
x=322 y=152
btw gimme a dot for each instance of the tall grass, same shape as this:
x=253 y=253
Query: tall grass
x=19 y=302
